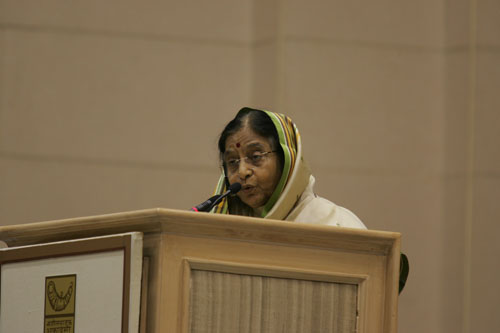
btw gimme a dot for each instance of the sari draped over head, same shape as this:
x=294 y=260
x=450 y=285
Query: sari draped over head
x=294 y=176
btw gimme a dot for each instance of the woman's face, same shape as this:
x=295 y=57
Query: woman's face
x=258 y=173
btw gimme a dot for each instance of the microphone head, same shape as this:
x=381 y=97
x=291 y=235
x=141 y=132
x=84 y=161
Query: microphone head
x=234 y=188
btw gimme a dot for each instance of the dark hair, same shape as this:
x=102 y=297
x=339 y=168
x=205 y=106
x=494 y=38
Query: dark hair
x=259 y=122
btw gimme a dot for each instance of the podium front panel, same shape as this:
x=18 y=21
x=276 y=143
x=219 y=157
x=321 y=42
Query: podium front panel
x=229 y=302
x=224 y=285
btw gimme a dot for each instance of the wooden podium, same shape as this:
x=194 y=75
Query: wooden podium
x=222 y=273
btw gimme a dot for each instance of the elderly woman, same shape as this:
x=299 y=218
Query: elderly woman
x=262 y=151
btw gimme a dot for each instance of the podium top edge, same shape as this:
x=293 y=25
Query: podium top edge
x=163 y=220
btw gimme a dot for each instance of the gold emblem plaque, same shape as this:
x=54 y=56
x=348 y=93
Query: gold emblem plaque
x=60 y=292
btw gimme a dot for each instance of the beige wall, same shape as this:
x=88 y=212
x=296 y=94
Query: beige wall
x=113 y=107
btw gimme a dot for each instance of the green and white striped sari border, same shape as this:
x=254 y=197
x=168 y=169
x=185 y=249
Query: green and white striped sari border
x=286 y=167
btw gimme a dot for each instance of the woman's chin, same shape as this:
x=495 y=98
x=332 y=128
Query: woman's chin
x=253 y=201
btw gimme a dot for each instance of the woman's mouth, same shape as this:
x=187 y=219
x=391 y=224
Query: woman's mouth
x=247 y=188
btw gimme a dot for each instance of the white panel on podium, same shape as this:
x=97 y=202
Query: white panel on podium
x=84 y=285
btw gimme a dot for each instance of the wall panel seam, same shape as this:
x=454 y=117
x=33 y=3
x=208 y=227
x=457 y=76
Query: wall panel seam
x=144 y=36
x=84 y=161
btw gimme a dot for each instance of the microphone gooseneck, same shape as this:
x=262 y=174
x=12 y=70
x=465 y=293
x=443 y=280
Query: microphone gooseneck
x=203 y=207
x=233 y=189
x=207 y=205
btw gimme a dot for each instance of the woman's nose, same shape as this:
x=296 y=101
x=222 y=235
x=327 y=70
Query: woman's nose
x=244 y=169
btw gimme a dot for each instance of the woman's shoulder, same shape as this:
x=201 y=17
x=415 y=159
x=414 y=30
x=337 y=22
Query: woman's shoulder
x=348 y=219
x=319 y=210
x=312 y=208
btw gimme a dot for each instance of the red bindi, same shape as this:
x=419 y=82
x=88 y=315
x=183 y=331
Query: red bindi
x=238 y=145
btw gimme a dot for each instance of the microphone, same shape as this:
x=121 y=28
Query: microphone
x=233 y=189
x=207 y=205
x=203 y=207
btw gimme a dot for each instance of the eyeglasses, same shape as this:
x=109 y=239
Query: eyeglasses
x=256 y=159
